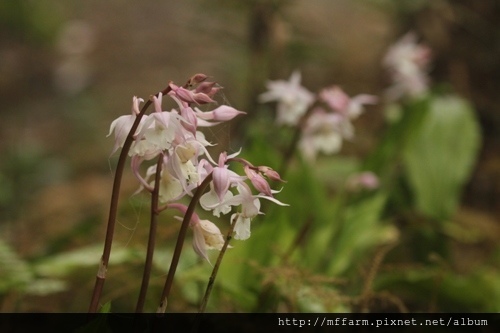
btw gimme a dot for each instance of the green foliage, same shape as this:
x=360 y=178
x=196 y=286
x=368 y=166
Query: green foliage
x=423 y=160
x=307 y=257
x=440 y=155
x=65 y=263
x=17 y=274
x=361 y=231
x=385 y=159
x=106 y=308
x=426 y=156
x=440 y=287
x=22 y=167
x=322 y=253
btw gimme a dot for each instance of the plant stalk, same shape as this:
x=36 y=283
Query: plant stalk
x=211 y=281
x=180 y=242
x=113 y=208
x=152 y=238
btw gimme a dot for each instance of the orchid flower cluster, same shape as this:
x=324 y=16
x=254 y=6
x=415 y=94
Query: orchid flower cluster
x=408 y=65
x=325 y=120
x=174 y=137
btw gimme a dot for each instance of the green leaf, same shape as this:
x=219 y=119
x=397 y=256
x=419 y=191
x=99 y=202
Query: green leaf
x=440 y=155
x=67 y=262
x=361 y=230
x=14 y=271
x=106 y=308
x=384 y=160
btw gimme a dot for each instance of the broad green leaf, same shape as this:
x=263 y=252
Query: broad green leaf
x=440 y=155
x=67 y=262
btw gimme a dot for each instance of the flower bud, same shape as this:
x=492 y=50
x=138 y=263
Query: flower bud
x=270 y=173
x=258 y=181
x=189 y=96
x=197 y=78
x=205 y=87
x=225 y=113
x=221 y=182
x=201 y=98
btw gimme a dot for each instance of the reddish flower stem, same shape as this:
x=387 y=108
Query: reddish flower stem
x=180 y=242
x=113 y=209
x=211 y=280
x=152 y=238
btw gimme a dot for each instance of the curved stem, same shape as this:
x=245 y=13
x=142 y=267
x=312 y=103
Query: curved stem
x=180 y=242
x=113 y=208
x=211 y=281
x=152 y=237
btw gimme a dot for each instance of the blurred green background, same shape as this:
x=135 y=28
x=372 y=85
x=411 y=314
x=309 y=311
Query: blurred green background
x=419 y=243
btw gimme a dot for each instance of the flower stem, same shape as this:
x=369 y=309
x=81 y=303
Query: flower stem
x=211 y=281
x=180 y=242
x=292 y=147
x=152 y=237
x=113 y=209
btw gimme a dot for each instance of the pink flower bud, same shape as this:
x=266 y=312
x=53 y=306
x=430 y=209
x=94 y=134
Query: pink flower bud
x=208 y=88
x=201 y=98
x=221 y=181
x=189 y=96
x=214 y=91
x=225 y=113
x=258 y=181
x=270 y=173
x=205 y=87
x=197 y=78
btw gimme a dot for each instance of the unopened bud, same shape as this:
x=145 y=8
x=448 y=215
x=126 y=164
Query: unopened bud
x=197 y=78
x=205 y=87
x=201 y=98
x=225 y=113
x=258 y=181
x=270 y=173
x=189 y=96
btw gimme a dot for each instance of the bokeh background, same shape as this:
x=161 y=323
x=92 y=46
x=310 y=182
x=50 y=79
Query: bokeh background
x=68 y=68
